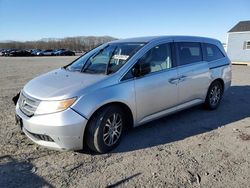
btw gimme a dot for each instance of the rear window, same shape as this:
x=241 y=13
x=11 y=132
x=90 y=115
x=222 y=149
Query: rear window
x=212 y=52
x=189 y=52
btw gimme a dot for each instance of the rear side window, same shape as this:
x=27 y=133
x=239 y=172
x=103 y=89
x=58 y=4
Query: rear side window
x=189 y=52
x=212 y=52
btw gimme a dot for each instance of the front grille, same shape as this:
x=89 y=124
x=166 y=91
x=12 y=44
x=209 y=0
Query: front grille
x=42 y=137
x=28 y=105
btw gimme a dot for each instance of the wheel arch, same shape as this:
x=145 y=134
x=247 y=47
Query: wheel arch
x=127 y=111
x=221 y=82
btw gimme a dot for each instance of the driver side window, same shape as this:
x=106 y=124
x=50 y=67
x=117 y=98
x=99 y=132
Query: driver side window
x=157 y=59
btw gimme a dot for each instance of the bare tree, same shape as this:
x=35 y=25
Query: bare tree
x=78 y=44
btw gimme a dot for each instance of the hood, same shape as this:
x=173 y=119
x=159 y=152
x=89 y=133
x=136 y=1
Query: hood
x=60 y=84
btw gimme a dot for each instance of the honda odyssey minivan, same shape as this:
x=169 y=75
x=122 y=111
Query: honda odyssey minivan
x=122 y=84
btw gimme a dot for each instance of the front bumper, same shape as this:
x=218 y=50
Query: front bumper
x=66 y=129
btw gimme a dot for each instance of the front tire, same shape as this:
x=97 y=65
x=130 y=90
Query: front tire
x=105 y=129
x=214 y=95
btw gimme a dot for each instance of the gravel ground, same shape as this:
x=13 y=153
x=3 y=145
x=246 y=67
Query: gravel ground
x=193 y=148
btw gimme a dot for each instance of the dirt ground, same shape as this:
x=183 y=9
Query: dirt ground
x=193 y=148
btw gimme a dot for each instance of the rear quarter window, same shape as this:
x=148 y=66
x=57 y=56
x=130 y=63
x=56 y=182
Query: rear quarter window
x=189 y=52
x=212 y=52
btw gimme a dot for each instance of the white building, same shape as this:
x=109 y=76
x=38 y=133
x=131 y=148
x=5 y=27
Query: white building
x=238 y=42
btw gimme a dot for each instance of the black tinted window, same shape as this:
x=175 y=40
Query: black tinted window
x=212 y=52
x=189 y=52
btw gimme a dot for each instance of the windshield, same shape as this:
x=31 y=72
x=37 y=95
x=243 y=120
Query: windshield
x=105 y=59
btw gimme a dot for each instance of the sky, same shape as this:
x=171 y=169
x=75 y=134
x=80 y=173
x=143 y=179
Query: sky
x=24 y=20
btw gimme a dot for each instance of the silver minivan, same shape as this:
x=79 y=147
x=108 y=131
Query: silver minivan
x=122 y=84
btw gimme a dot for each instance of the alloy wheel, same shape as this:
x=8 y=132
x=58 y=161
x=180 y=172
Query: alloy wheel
x=112 y=129
x=214 y=96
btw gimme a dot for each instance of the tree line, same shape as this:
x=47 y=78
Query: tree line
x=77 y=44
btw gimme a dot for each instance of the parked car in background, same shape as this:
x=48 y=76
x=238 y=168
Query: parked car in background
x=122 y=84
x=1 y=50
x=35 y=52
x=46 y=53
x=4 y=51
x=7 y=52
x=63 y=52
x=20 y=53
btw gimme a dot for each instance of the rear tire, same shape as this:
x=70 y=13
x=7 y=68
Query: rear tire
x=105 y=129
x=214 y=95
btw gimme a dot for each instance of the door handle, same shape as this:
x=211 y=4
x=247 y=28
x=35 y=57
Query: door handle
x=173 y=80
x=182 y=78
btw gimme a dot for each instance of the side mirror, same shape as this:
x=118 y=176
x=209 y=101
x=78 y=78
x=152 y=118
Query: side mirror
x=141 y=69
x=136 y=70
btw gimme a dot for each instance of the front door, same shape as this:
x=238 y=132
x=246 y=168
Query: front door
x=157 y=90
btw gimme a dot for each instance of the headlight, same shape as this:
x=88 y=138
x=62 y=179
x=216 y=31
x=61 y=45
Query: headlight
x=46 y=107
